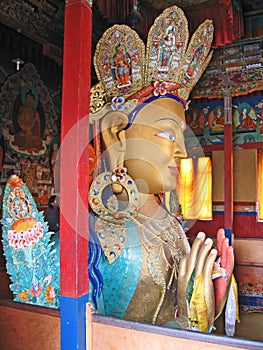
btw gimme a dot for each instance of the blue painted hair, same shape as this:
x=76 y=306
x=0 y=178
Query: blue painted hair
x=136 y=110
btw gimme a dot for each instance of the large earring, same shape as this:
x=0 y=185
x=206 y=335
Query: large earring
x=100 y=193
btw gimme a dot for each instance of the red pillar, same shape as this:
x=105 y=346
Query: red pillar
x=73 y=176
x=228 y=169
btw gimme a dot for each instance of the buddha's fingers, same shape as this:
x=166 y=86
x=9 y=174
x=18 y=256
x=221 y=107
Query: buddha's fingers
x=201 y=258
x=224 y=247
x=209 y=287
x=182 y=284
x=230 y=261
x=221 y=284
x=219 y=240
x=198 y=242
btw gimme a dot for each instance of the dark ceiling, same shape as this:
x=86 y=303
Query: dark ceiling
x=33 y=29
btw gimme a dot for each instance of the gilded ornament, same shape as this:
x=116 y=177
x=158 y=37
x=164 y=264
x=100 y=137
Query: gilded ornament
x=112 y=213
x=125 y=67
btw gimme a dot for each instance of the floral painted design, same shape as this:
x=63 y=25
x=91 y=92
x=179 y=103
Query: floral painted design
x=23 y=296
x=36 y=289
x=50 y=294
x=24 y=238
x=119 y=174
x=117 y=103
x=47 y=280
x=15 y=181
x=159 y=88
x=32 y=259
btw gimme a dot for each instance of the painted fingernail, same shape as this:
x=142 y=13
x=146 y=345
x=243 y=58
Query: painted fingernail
x=200 y=235
x=208 y=240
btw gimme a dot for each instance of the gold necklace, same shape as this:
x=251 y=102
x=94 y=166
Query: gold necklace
x=155 y=234
x=166 y=230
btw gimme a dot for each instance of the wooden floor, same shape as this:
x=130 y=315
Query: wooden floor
x=250 y=326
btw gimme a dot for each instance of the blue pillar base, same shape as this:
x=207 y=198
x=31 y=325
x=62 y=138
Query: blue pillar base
x=73 y=322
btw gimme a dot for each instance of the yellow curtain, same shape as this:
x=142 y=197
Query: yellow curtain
x=195 y=194
x=204 y=187
x=187 y=187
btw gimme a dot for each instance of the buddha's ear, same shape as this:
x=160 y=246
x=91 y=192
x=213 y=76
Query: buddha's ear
x=113 y=135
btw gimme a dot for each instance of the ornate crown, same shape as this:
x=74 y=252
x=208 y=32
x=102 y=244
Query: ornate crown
x=169 y=66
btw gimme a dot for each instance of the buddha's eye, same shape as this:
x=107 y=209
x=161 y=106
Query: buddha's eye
x=166 y=135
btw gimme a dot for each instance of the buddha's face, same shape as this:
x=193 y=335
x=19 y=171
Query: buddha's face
x=29 y=100
x=155 y=145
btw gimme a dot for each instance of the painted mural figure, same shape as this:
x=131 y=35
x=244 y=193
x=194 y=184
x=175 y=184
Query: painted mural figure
x=245 y=121
x=29 y=123
x=196 y=120
x=165 y=53
x=28 y=119
x=141 y=264
x=216 y=119
x=122 y=64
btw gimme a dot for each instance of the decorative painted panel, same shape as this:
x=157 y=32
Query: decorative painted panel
x=206 y=120
x=32 y=255
x=234 y=70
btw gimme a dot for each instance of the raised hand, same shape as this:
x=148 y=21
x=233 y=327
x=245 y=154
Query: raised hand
x=195 y=296
x=223 y=269
x=201 y=300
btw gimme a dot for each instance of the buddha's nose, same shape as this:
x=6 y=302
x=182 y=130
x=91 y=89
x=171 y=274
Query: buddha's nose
x=180 y=151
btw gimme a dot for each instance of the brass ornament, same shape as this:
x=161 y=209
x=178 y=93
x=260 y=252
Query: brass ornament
x=97 y=98
x=112 y=238
x=112 y=213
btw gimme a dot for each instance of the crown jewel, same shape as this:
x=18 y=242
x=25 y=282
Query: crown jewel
x=168 y=64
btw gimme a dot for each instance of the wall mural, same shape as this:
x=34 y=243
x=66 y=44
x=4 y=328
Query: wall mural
x=29 y=138
x=206 y=120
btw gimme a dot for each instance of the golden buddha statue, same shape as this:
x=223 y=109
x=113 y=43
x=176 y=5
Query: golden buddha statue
x=141 y=266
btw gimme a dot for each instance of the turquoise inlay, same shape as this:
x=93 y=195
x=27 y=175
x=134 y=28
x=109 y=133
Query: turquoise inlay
x=121 y=277
x=172 y=324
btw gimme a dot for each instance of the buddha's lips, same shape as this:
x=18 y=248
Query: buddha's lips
x=174 y=168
